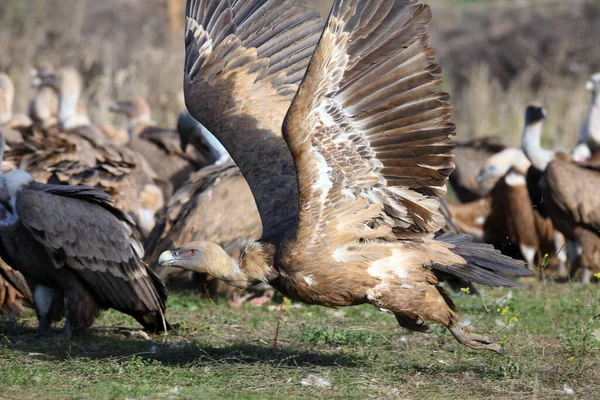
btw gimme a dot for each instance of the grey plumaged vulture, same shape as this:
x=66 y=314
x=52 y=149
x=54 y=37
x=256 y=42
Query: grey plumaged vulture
x=567 y=194
x=346 y=148
x=78 y=252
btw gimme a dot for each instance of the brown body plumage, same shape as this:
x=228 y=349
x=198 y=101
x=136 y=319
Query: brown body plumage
x=347 y=168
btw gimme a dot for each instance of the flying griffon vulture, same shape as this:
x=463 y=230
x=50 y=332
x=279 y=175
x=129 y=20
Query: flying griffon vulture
x=78 y=252
x=346 y=158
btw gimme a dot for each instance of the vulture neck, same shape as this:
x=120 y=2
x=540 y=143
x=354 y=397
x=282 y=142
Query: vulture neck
x=216 y=148
x=255 y=266
x=593 y=122
x=531 y=143
x=67 y=106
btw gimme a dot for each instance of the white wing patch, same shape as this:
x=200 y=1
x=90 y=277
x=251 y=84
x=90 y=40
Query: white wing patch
x=323 y=183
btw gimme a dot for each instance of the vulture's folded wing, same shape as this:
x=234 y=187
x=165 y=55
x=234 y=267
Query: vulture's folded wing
x=85 y=232
x=576 y=197
x=369 y=130
x=244 y=60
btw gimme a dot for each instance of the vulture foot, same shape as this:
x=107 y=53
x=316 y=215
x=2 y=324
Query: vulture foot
x=465 y=336
x=266 y=298
x=239 y=302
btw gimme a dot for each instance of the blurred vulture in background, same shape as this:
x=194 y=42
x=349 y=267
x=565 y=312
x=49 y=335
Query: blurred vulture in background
x=469 y=158
x=43 y=106
x=588 y=143
x=569 y=193
x=76 y=152
x=15 y=294
x=162 y=147
x=78 y=252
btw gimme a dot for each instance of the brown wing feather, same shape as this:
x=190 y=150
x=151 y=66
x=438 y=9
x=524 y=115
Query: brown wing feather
x=572 y=191
x=85 y=232
x=368 y=130
x=244 y=60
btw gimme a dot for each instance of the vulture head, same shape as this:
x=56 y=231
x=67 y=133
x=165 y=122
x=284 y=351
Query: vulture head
x=136 y=110
x=593 y=85
x=68 y=84
x=191 y=130
x=10 y=185
x=7 y=96
x=41 y=69
x=534 y=113
x=499 y=164
x=211 y=259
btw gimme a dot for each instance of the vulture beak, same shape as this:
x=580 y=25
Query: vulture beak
x=118 y=107
x=481 y=177
x=168 y=258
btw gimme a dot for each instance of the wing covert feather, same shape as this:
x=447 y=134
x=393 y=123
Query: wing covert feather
x=368 y=130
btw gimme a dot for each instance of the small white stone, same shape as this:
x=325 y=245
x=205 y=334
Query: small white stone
x=568 y=390
x=316 y=381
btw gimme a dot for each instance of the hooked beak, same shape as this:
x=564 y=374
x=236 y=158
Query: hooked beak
x=169 y=258
x=184 y=138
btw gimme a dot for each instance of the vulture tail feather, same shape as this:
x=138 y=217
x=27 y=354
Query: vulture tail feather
x=485 y=265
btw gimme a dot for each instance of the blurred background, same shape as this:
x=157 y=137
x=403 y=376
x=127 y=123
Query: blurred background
x=497 y=56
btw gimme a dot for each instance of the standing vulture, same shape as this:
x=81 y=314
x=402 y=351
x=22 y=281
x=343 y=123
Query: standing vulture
x=161 y=147
x=588 y=144
x=346 y=162
x=469 y=158
x=78 y=153
x=568 y=193
x=78 y=252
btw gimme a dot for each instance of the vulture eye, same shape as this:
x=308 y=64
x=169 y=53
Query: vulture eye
x=192 y=252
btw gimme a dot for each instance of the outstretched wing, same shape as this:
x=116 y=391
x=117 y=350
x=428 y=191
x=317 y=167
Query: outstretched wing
x=368 y=129
x=244 y=60
x=85 y=232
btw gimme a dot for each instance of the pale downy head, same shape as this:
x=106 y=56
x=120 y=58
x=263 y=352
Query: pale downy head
x=68 y=84
x=7 y=96
x=593 y=84
x=581 y=153
x=10 y=184
x=501 y=163
x=41 y=69
x=201 y=257
x=535 y=115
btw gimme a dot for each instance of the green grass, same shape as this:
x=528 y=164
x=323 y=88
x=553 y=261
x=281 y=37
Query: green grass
x=550 y=337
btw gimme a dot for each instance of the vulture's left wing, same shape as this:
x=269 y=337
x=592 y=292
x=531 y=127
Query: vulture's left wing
x=85 y=232
x=244 y=60
x=369 y=131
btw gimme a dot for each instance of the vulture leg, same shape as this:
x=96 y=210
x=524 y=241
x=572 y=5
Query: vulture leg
x=415 y=302
x=237 y=303
x=48 y=306
x=465 y=335
x=561 y=253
